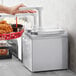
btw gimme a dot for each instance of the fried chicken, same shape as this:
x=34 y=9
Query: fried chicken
x=2 y=31
x=3 y=22
x=5 y=27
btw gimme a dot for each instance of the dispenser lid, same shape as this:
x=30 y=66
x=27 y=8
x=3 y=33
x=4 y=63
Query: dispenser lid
x=47 y=32
x=50 y=31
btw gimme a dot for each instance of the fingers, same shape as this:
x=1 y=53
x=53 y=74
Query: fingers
x=26 y=11
x=20 y=5
x=1 y=12
x=22 y=11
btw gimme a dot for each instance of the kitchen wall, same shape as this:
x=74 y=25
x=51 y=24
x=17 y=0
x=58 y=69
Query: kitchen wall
x=57 y=13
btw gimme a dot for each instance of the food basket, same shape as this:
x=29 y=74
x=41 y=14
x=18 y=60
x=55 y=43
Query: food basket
x=11 y=35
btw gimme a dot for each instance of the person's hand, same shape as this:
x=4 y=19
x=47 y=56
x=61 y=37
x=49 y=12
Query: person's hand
x=15 y=9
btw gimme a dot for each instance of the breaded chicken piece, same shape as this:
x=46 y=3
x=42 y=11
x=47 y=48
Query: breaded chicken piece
x=2 y=31
x=5 y=27
x=3 y=22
